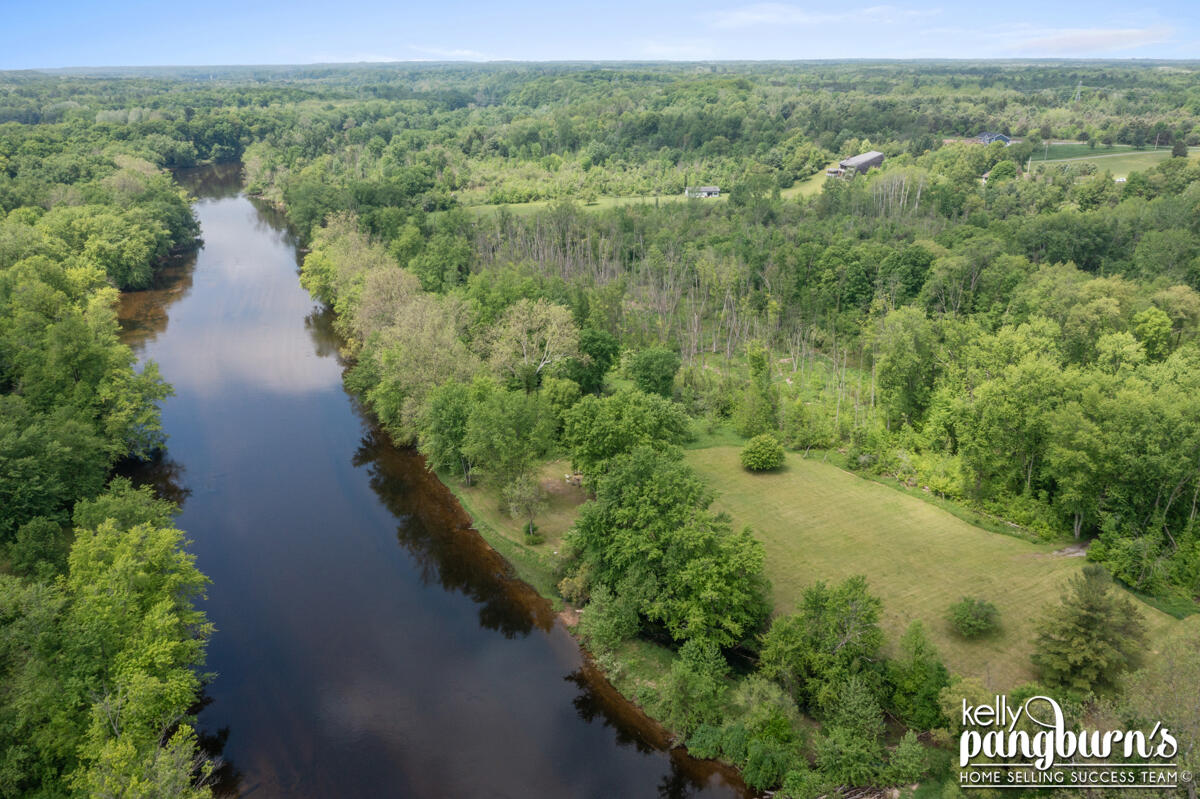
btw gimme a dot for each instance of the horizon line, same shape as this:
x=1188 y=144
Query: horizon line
x=625 y=61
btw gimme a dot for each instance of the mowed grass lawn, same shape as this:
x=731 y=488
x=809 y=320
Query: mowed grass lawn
x=819 y=522
x=1119 y=161
x=1061 y=150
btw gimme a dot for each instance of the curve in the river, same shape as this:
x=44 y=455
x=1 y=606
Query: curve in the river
x=368 y=642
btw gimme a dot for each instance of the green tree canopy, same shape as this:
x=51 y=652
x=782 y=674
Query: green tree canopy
x=1092 y=637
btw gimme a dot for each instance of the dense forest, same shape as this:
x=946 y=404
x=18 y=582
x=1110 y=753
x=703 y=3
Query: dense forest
x=100 y=635
x=1013 y=337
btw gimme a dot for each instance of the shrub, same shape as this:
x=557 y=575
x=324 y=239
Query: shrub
x=974 y=617
x=802 y=782
x=757 y=411
x=762 y=454
x=574 y=586
x=767 y=761
x=918 y=677
x=845 y=756
x=705 y=742
x=805 y=427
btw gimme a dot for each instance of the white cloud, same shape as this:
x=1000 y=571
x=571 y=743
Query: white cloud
x=353 y=58
x=780 y=14
x=1082 y=41
x=452 y=54
x=657 y=49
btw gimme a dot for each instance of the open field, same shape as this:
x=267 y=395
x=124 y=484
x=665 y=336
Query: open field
x=821 y=523
x=562 y=500
x=1120 y=160
x=1063 y=150
x=808 y=186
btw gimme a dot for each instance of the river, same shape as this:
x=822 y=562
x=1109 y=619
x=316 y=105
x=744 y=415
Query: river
x=368 y=643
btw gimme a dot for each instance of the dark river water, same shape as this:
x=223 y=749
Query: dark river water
x=368 y=642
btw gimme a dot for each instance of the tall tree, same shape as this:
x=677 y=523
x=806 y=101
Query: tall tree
x=918 y=677
x=596 y=429
x=444 y=428
x=532 y=335
x=653 y=371
x=506 y=431
x=1092 y=637
x=833 y=635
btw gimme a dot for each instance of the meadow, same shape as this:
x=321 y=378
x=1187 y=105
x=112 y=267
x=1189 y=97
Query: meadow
x=819 y=522
x=1120 y=159
x=1064 y=150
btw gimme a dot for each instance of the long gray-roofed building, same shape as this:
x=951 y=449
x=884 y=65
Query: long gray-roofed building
x=861 y=163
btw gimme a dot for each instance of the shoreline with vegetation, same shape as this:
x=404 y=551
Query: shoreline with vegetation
x=102 y=642
x=472 y=430
x=1019 y=339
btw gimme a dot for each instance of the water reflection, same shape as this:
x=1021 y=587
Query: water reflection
x=161 y=472
x=436 y=532
x=224 y=780
x=599 y=702
x=348 y=665
x=213 y=182
x=143 y=314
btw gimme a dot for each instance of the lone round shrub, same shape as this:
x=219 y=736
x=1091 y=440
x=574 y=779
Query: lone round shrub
x=973 y=617
x=762 y=454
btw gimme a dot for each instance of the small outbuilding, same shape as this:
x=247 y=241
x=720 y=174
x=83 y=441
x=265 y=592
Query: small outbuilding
x=989 y=137
x=863 y=162
x=702 y=191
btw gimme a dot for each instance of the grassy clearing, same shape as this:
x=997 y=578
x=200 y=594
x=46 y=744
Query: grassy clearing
x=534 y=563
x=967 y=513
x=1120 y=161
x=808 y=187
x=821 y=523
x=1064 y=150
x=637 y=669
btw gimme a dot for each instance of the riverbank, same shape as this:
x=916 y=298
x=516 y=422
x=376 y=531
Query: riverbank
x=626 y=681
x=631 y=674
x=366 y=635
x=627 y=678
x=531 y=566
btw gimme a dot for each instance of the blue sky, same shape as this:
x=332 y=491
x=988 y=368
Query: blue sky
x=92 y=33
